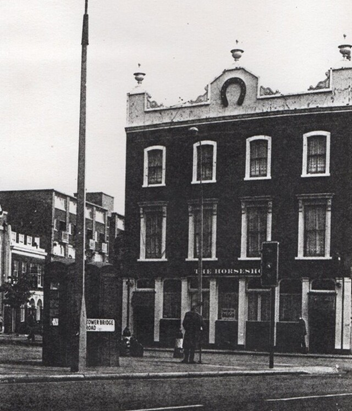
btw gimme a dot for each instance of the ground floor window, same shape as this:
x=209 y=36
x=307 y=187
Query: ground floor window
x=39 y=311
x=23 y=313
x=205 y=306
x=193 y=287
x=290 y=300
x=228 y=299
x=172 y=299
x=258 y=301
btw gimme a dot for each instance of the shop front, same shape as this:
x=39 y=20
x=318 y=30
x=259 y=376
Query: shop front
x=237 y=312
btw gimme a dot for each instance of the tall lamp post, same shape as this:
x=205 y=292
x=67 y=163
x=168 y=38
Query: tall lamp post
x=194 y=131
x=79 y=338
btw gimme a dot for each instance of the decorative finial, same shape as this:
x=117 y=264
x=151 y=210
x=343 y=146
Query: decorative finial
x=345 y=49
x=237 y=52
x=139 y=75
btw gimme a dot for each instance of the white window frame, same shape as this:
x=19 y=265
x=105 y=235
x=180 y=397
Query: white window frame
x=195 y=161
x=39 y=276
x=145 y=167
x=22 y=313
x=142 y=246
x=15 y=270
x=305 y=154
x=249 y=140
x=247 y=202
x=311 y=199
x=192 y=206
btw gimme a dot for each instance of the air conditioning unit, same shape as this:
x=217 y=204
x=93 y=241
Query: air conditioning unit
x=104 y=248
x=91 y=245
x=64 y=237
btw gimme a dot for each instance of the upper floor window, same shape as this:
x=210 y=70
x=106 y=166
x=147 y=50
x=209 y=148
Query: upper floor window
x=204 y=162
x=153 y=232
x=316 y=154
x=154 y=166
x=209 y=230
x=314 y=226
x=256 y=225
x=258 y=158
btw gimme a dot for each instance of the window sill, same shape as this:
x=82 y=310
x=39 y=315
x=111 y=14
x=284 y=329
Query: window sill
x=257 y=178
x=249 y=259
x=313 y=258
x=153 y=185
x=315 y=175
x=152 y=260
x=203 y=181
x=203 y=259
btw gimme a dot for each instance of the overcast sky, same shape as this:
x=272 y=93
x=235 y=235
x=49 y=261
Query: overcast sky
x=181 y=45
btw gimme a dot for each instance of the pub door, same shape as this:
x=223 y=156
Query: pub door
x=143 y=324
x=321 y=323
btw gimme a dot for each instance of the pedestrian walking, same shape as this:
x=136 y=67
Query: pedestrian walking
x=31 y=322
x=193 y=324
x=302 y=335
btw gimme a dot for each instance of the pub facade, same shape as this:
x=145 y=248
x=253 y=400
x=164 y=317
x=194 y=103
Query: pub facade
x=262 y=166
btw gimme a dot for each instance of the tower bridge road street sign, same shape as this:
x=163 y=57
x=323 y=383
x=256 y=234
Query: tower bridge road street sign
x=100 y=325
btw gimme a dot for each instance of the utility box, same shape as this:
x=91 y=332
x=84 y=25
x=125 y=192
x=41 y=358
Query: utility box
x=103 y=305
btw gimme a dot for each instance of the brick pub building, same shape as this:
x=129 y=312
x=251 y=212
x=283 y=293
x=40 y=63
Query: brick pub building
x=269 y=167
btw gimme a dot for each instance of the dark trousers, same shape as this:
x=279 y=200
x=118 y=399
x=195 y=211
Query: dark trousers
x=31 y=335
x=189 y=354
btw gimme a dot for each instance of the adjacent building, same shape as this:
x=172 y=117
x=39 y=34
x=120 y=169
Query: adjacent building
x=20 y=255
x=263 y=166
x=40 y=228
x=25 y=256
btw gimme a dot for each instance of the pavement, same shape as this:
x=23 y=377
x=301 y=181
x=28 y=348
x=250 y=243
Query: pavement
x=21 y=362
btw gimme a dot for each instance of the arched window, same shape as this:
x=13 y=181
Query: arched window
x=154 y=166
x=316 y=154
x=258 y=158
x=204 y=162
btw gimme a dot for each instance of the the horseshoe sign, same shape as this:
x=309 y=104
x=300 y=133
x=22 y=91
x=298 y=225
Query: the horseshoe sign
x=233 y=80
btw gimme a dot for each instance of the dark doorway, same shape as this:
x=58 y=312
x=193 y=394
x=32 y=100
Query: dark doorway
x=321 y=323
x=143 y=324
